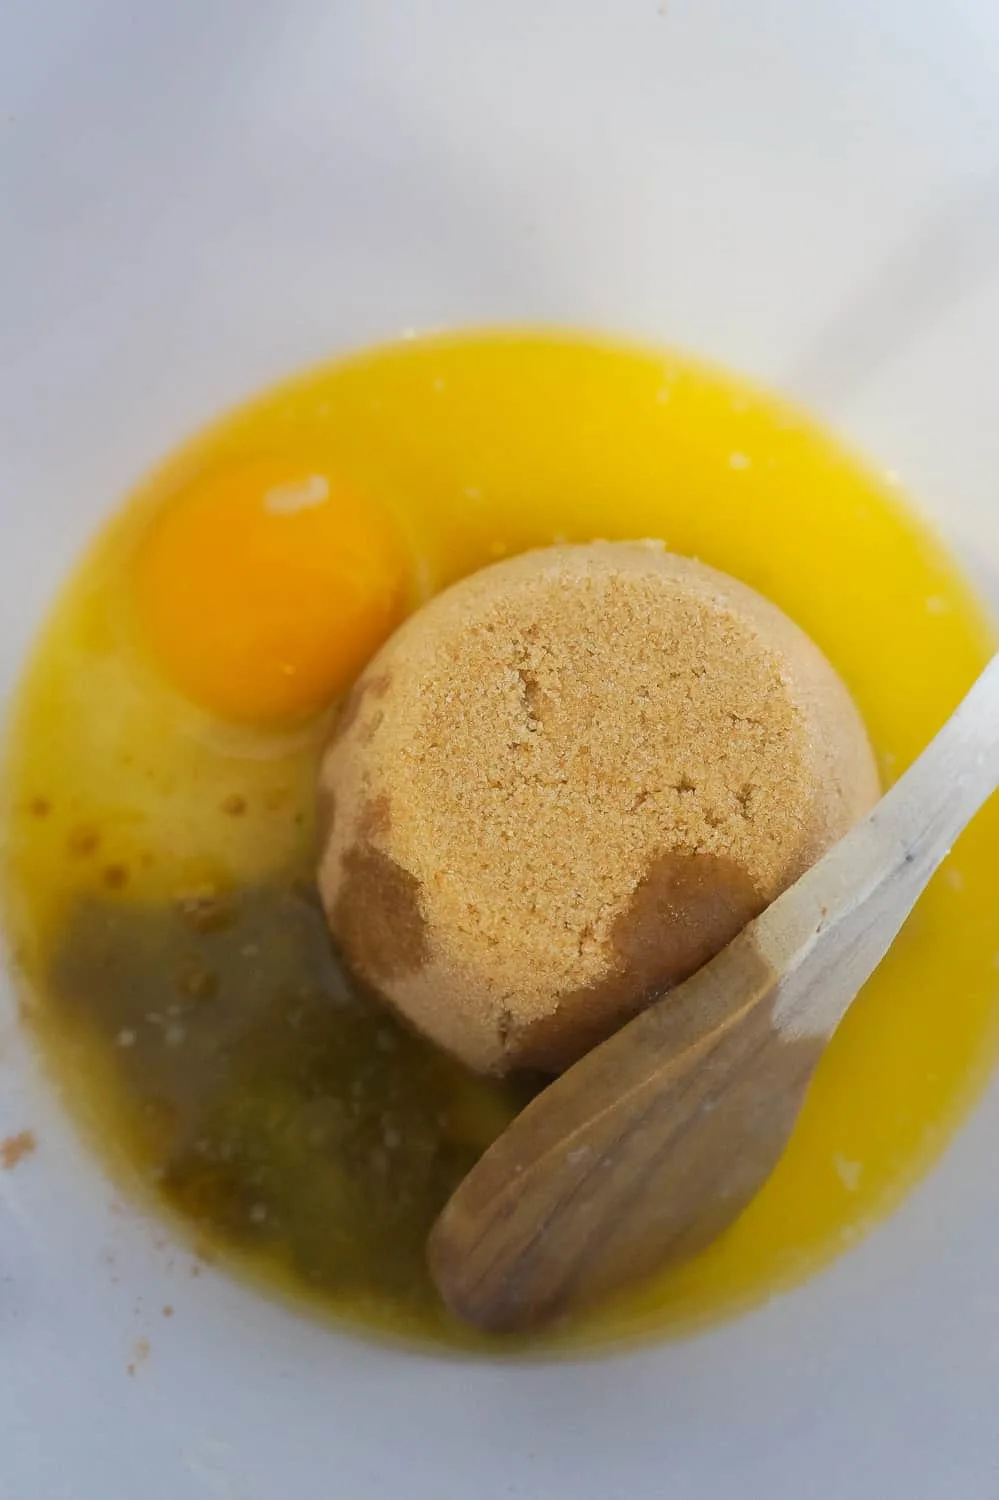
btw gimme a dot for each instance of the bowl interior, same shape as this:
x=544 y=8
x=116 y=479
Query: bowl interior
x=201 y=198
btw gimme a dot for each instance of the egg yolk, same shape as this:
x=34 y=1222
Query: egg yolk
x=264 y=587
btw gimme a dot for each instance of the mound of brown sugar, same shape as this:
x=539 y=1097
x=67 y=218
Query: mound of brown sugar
x=565 y=784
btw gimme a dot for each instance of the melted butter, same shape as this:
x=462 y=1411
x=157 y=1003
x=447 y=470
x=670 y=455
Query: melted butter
x=125 y=805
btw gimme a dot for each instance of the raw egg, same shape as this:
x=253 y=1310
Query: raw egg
x=266 y=584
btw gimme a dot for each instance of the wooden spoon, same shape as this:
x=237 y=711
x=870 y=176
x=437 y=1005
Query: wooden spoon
x=657 y=1139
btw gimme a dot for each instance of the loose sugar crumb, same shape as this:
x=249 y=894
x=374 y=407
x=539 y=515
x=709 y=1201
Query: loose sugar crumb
x=15 y=1148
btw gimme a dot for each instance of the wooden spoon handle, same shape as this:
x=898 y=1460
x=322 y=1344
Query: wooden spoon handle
x=831 y=930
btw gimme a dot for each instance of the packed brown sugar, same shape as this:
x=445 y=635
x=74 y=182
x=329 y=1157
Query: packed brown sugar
x=566 y=783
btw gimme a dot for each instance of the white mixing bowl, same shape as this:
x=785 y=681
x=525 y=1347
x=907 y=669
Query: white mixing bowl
x=198 y=196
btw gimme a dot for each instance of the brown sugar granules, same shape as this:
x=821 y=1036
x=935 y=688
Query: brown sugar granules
x=15 y=1148
x=566 y=783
